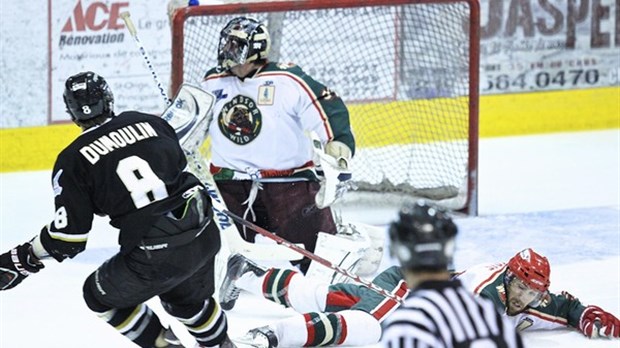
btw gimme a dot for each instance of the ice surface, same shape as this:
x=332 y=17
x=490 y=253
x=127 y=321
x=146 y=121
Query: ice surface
x=559 y=194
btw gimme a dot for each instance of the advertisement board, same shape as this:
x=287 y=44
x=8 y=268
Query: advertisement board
x=526 y=46
x=90 y=35
x=540 y=45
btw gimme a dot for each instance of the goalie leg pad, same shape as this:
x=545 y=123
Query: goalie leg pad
x=344 y=250
x=373 y=255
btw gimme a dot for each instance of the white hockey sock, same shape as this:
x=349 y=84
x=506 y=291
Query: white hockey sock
x=307 y=295
x=362 y=328
x=291 y=332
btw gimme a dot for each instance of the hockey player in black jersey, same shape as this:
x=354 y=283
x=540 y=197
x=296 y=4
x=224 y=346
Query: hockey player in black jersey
x=130 y=167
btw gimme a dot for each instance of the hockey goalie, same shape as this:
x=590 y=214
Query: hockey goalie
x=356 y=246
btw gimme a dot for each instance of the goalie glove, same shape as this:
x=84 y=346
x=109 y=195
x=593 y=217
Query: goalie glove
x=332 y=167
x=17 y=264
x=595 y=323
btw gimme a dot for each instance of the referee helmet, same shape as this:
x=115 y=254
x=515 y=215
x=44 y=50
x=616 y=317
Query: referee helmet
x=422 y=238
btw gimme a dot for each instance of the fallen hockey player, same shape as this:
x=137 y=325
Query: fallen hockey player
x=520 y=289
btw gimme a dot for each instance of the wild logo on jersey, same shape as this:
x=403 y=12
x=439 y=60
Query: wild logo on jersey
x=240 y=120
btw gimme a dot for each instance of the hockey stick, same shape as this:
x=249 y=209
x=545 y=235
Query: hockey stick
x=134 y=33
x=313 y=256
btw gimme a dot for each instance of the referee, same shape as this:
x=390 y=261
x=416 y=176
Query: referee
x=438 y=312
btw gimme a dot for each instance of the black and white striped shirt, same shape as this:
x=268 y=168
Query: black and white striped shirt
x=444 y=314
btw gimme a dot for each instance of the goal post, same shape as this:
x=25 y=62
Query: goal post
x=407 y=70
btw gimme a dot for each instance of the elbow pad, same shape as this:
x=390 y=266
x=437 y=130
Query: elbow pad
x=58 y=248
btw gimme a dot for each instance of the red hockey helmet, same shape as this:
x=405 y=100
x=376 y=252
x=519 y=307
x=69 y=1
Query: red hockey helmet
x=532 y=268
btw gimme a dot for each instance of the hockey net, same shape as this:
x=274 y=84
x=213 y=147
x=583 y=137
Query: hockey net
x=407 y=70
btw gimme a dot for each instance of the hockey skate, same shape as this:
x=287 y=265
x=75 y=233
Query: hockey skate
x=167 y=339
x=261 y=337
x=227 y=343
x=238 y=265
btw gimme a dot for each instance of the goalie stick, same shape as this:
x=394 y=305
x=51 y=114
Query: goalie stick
x=134 y=34
x=312 y=256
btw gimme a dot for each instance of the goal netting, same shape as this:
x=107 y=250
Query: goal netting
x=407 y=70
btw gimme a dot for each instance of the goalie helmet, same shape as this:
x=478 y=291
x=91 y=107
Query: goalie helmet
x=242 y=40
x=88 y=96
x=532 y=268
x=423 y=237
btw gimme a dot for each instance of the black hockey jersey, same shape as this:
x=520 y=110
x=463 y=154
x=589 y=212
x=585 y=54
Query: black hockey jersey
x=117 y=169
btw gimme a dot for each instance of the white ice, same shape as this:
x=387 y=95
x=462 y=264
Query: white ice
x=559 y=194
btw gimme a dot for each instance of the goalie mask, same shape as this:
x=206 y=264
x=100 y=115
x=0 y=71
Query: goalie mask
x=423 y=237
x=88 y=96
x=242 y=40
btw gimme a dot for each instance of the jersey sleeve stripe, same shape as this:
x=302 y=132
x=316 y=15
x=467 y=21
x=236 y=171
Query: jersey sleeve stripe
x=548 y=317
x=488 y=281
x=387 y=306
x=65 y=237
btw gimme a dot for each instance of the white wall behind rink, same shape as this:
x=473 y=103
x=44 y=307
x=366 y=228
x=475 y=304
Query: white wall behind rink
x=25 y=59
x=520 y=52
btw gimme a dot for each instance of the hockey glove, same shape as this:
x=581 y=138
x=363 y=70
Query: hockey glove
x=332 y=167
x=595 y=322
x=17 y=264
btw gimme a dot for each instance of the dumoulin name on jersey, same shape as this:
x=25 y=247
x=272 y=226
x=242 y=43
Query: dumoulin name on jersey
x=117 y=139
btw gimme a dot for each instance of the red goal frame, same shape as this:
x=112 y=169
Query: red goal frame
x=176 y=77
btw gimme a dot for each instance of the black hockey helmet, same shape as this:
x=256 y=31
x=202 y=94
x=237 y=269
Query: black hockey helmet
x=242 y=40
x=423 y=237
x=88 y=96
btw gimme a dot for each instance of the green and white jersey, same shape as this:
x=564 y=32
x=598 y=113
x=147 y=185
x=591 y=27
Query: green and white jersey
x=556 y=311
x=260 y=122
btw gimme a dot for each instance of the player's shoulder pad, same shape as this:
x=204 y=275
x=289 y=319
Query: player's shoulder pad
x=287 y=67
x=134 y=116
x=217 y=71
